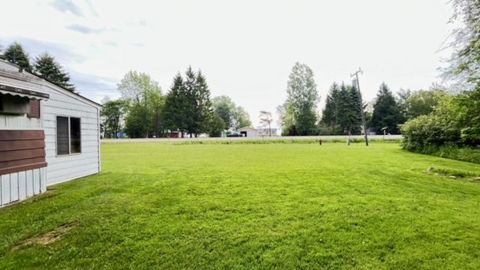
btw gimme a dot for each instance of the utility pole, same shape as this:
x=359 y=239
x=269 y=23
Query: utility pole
x=355 y=75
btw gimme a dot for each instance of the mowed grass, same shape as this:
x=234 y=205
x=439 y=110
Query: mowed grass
x=252 y=206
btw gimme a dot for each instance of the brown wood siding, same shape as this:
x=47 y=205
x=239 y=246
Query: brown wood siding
x=21 y=150
x=34 y=109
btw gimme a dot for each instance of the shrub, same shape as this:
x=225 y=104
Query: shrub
x=428 y=132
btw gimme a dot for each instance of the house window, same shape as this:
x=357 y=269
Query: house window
x=68 y=135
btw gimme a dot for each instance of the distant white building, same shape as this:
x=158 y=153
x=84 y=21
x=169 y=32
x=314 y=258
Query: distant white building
x=251 y=132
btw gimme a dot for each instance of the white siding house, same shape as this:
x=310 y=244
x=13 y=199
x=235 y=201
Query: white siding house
x=48 y=135
x=66 y=167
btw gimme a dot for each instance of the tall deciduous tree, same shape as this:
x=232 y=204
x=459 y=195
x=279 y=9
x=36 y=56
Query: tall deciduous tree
x=216 y=126
x=49 y=69
x=233 y=116
x=422 y=102
x=302 y=99
x=144 y=96
x=135 y=86
x=155 y=104
x=16 y=54
x=224 y=107
x=242 y=118
x=465 y=62
x=386 y=112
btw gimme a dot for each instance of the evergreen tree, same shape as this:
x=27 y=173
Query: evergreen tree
x=203 y=105
x=16 y=55
x=193 y=124
x=348 y=109
x=302 y=98
x=175 y=117
x=46 y=66
x=386 y=112
x=329 y=114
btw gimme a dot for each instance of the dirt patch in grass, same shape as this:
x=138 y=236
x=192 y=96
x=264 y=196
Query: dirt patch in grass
x=48 y=237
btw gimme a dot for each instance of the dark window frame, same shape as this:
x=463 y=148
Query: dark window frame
x=70 y=151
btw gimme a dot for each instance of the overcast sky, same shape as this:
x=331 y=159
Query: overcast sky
x=245 y=48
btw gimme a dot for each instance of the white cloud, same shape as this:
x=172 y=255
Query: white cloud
x=245 y=48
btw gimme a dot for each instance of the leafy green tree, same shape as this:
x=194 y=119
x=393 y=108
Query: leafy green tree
x=112 y=114
x=224 y=107
x=146 y=104
x=137 y=124
x=233 y=116
x=46 y=66
x=302 y=99
x=155 y=104
x=422 y=102
x=467 y=109
x=386 y=112
x=15 y=54
x=241 y=118
x=465 y=61
x=216 y=126
x=135 y=87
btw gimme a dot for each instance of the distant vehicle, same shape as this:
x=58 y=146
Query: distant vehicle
x=234 y=134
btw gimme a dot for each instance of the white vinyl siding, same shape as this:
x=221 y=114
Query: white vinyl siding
x=19 y=186
x=62 y=168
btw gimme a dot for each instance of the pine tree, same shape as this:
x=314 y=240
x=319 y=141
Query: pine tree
x=193 y=124
x=356 y=108
x=348 y=109
x=46 y=66
x=174 y=110
x=329 y=114
x=386 y=112
x=16 y=55
x=203 y=108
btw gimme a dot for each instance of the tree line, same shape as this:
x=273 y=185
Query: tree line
x=44 y=65
x=145 y=111
x=344 y=106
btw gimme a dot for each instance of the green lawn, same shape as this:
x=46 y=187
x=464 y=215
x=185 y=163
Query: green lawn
x=252 y=206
